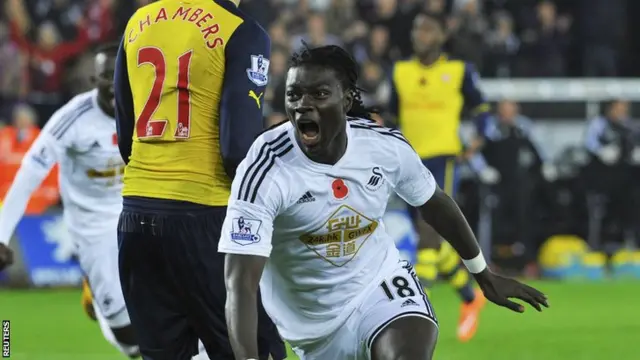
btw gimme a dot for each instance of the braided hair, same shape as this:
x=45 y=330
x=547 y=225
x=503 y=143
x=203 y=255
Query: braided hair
x=338 y=59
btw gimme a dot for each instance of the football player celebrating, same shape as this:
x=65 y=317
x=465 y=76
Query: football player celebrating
x=313 y=191
x=81 y=138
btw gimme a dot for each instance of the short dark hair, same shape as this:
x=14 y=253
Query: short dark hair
x=441 y=19
x=110 y=49
x=338 y=59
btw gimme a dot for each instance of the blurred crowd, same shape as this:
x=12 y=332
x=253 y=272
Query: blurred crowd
x=44 y=44
x=46 y=58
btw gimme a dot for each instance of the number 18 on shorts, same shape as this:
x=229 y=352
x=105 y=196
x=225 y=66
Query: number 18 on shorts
x=397 y=295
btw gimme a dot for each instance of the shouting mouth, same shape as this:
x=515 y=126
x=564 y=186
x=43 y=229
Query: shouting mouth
x=309 y=132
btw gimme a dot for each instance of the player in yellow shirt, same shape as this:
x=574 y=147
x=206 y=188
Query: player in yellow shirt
x=189 y=81
x=430 y=93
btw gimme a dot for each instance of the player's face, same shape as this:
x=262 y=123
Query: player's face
x=105 y=66
x=316 y=104
x=427 y=35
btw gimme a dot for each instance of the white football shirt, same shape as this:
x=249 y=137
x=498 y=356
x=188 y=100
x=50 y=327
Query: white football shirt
x=320 y=225
x=82 y=139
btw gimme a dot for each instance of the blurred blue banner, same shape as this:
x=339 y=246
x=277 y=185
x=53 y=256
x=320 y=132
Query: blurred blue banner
x=400 y=227
x=47 y=251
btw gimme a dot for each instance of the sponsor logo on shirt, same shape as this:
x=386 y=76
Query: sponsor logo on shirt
x=245 y=231
x=42 y=158
x=376 y=180
x=258 y=73
x=306 y=198
x=338 y=240
x=252 y=94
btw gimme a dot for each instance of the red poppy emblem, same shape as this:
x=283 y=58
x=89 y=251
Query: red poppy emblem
x=114 y=139
x=340 y=190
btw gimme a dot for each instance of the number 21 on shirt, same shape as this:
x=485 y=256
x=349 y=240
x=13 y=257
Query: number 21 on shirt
x=146 y=126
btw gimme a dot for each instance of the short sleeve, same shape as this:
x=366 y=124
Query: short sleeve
x=256 y=200
x=413 y=182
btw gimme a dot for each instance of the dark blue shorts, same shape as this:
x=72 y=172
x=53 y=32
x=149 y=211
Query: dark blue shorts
x=445 y=171
x=172 y=277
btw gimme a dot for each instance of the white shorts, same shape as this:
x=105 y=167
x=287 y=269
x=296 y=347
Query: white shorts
x=398 y=295
x=98 y=259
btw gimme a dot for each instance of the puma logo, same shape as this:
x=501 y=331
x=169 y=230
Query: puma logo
x=252 y=94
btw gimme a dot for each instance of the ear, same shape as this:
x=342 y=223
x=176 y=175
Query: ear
x=347 y=102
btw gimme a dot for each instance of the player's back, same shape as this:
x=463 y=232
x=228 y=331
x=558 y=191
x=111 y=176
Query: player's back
x=176 y=64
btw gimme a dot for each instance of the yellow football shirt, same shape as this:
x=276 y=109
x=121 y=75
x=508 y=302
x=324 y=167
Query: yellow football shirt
x=189 y=81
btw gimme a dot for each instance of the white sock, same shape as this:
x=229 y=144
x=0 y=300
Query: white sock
x=202 y=353
x=111 y=338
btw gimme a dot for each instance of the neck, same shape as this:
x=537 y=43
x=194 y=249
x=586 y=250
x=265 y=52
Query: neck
x=430 y=58
x=334 y=152
x=105 y=107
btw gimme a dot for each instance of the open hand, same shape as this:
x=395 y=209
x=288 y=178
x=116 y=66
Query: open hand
x=499 y=290
x=6 y=256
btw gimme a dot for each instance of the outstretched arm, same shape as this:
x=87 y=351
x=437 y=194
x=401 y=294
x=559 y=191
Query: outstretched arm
x=444 y=215
x=415 y=184
x=242 y=274
x=44 y=153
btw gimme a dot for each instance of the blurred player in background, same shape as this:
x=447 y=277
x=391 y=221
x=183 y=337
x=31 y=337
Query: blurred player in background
x=81 y=138
x=430 y=93
x=304 y=221
x=189 y=87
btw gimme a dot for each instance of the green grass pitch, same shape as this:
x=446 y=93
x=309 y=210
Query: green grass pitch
x=586 y=321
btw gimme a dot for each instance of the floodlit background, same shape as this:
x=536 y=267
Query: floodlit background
x=569 y=222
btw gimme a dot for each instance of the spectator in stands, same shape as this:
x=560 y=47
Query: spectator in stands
x=274 y=95
x=545 y=43
x=376 y=48
x=265 y=12
x=467 y=31
x=64 y=14
x=602 y=30
x=375 y=85
x=47 y=60
x=278 y=35
x=316 y=34
x=16 y=139
x=388 y=13
x=342 y=19
x=100 y=19
x=502 y=47
x=434 y=7
x=13 y=74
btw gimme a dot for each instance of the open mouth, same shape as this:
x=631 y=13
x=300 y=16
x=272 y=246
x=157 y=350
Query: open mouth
x=309 y=131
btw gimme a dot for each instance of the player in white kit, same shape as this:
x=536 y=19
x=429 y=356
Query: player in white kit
x=81 y=138
x=304 y=221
